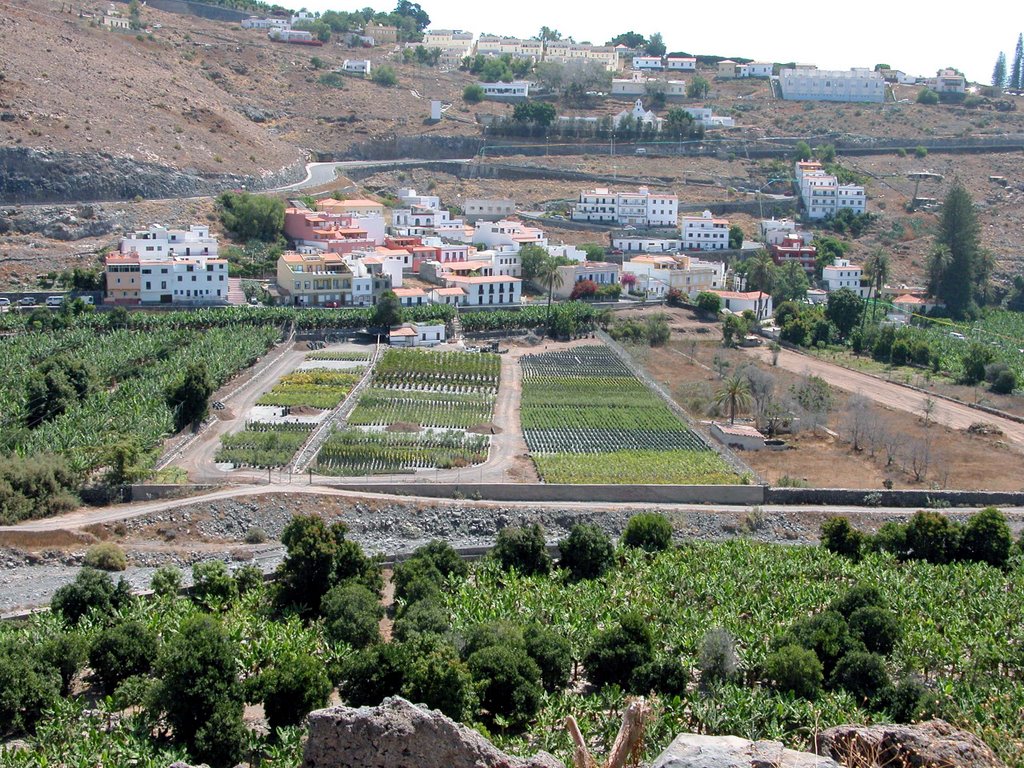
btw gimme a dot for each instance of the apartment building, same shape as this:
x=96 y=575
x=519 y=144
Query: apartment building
x=160 y=241
x=476 y=208
x=600 y=272
x=356 y=206
x=332 y=232
x=704 y=232
x=822 y=194
x=508 y=235
x=657 y=275
x=844 y=274
x=640 y=209
x=314 y=279
x=808 y=83
x=488 y=291
x=774 y=231
x=794 y=247
x=948 y=81
x=382 y=34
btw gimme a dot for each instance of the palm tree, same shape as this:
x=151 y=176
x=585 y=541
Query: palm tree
x=547 y=274
x=761 y=273
x=876 y=270
x=734 y=393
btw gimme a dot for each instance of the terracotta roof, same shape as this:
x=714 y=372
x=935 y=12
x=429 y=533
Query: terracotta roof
x=908 y=299
x=403 y=331
x=738 y=430
x=410 y=292
x=750 y=295
x=449 y=291
x=486 y=279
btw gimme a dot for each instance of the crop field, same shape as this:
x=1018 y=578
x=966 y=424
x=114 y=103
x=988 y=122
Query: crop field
x=445 y=392
x=362 y=452
x=132 y=371
x=363 y=357
x=315 y=388
x=263 y=445
x=588 y=419
x=961 y=635
x=1000 y=329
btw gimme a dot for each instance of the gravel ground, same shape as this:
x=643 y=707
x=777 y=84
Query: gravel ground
x=218 y=530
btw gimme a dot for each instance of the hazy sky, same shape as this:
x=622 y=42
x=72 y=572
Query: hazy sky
x=916 y=37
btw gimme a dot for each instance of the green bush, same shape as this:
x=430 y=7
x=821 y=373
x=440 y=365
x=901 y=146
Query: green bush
x=252 y=217
x=716 y=658
x=616 y=652
x=166 y=581
x=708 y=302
x=374 y=673
x=648 y=531
x=66 y=653
x=120 y=652
x=920 y=152
x=38 y=486
x=508 y=683
x=891 y=538
x=933 y=537
x=863 y=674
x=92 y=591
x=426 y=617
x=352 y=615
x=248 y=578
x=523 y=549
x=293 y=687
x=927 y=96
x=427 y=571
x=212 y=585
x=552 y=652
x=986 y=538
x=106 y=556
x=472 y=94
x=1005 y=382
x=587 y=552
x=385 y=76
x=255 y=536
x=438 y=678
x=489 y=634
x=877 y=628
x=665 y=676
x=826 y=634
x=909 y=701
x=856 y=597
x=838 y=536
x=796 y=670
x=27 y=689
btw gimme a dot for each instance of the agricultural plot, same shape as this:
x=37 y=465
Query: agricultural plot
x=363 y=452
x=314 y=388
x=323 y=356
x=587 y=419
x=263 y=445
x=444 y=391
x=999 y=329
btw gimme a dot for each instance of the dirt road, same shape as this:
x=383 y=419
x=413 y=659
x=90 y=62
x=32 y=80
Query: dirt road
x=892 y=395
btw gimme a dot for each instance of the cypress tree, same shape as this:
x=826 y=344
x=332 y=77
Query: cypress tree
x=1016 y=75
x=957 y=283
x=999 y=72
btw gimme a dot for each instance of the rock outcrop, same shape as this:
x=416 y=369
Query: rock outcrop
x=927 y=745
x=691 y=750
x=397 y=734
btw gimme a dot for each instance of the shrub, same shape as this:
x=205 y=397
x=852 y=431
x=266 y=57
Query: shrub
x=120 y=652
x=857 y=597
x=920 y=152
x=665 y=676
x=248 y=578
x=106 y=556
x=252 y=217
x=416 y=580
x=986 y=538
x=28 y=689
x=891 y=538
x=294 y=686
x=199 y=691
x=385 y=76
x=1005 y=382
x=863 y=674
x=795 y=670
x=616 y=652
x=877 y=628
x=927 y=96
x=503 y=633
x=92 y=591
x=523 y=549
x=587 y=552
x=66 y=653
x=933 y=537
x=648 y=531
x=716 y=657
x=374 y=673
x=508 y=682
x=909 y=701
x=552 y=653
x=166 y=581
x=472 y=94
x=352 y=615
x=255 y=536
x=438 y=678
x=426 y=617
x=213 y=586
x=838 y=536
x=708 y=302
x=827 y=634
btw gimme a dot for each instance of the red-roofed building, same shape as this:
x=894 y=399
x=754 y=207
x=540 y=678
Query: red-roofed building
x=793 y=248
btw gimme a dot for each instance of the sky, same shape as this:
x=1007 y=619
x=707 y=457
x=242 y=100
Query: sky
x=918 y=38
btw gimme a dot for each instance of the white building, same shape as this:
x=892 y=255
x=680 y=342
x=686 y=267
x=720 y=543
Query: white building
x=159 y=241
x=774 y=231
x=256 y=23
x=657 y=275
x=569 y=252
x=755 y=69
x=843 y=274
x=705 y=117
x=409 y=197
x=638 y=84
x=488 y=291
x=417 y=335
x=488 y=208
x=738 y=302
x=640 y=209
x=948 y=81
x=630 y=243
x=284 y=35
x=681 y=63
x=639 y=114
x=648 y=62
x=822 y=194
x=517 y=89
x=356 y=66
x=704 y=232
x=808 y=83
x=601 y=273
x=507 y=235
x=183 y=280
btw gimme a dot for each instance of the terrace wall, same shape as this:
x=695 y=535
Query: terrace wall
x=896 y=498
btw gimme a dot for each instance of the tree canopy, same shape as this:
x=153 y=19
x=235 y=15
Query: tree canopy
x=957 y=269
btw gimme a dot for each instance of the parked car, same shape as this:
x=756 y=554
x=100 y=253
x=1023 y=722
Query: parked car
x=54 y=301
x=27 y=301
x=5 y=302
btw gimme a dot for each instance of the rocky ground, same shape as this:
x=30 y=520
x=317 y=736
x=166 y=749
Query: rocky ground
x=219 y=529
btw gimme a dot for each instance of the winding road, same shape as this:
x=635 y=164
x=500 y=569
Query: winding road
x=320 y=174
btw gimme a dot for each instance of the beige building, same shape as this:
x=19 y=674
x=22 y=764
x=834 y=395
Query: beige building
x=350 y=207
x=382 y=34
x=314 y=279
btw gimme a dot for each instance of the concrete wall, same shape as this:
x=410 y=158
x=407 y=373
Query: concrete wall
x=901 y=498
x=144 y=492
x=649 y=494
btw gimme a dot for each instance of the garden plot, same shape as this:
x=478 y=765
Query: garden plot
x=263 y=445
x=314 y=389
x=587 y=419
x=418 y=414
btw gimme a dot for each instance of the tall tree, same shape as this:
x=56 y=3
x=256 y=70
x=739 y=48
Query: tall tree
x=876 y=270
x=190 y=399
x=761 y=273
x=791 y=283
x=548 y=34
x=655 y=45
x=547 y=274
x=958 y=280
x=1016 y=74
x=735 y=394
x=999 y=71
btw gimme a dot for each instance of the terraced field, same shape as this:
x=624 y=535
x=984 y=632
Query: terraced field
x=587 y=419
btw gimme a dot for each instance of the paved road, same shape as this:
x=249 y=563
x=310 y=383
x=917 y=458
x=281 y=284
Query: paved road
x=892 y=395
x=319 y=174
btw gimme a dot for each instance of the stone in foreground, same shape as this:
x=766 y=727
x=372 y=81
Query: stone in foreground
x=691 y=750
x=935 y=743
x=397 y=734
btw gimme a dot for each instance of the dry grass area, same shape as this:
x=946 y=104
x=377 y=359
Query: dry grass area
x=689 y=367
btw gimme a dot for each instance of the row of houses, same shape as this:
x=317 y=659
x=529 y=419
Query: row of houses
x=671 y=63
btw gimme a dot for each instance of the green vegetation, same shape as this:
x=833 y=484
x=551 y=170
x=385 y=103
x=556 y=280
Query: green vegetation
x=586 y=418
x=384 y=76
x=472 y=94
x=316 y=388
x=252 y=217
x=263 y=445
x=356 y=452
x=106 y=556
x=648 y=531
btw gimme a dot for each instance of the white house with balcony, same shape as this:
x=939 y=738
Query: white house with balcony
x=704 y=232
x=738 y=302
x=491 y=290
x=159 y=241
x=508 y=235
x=822 y=194
x=949 y=81
x=844 y=274
x=634 y=243
x=657 y=275
x=775 y=231
x=808 y=83
x=639 y=209
x=601 y=273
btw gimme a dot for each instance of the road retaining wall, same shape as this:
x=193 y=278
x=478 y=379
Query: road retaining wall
x=895 y=498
